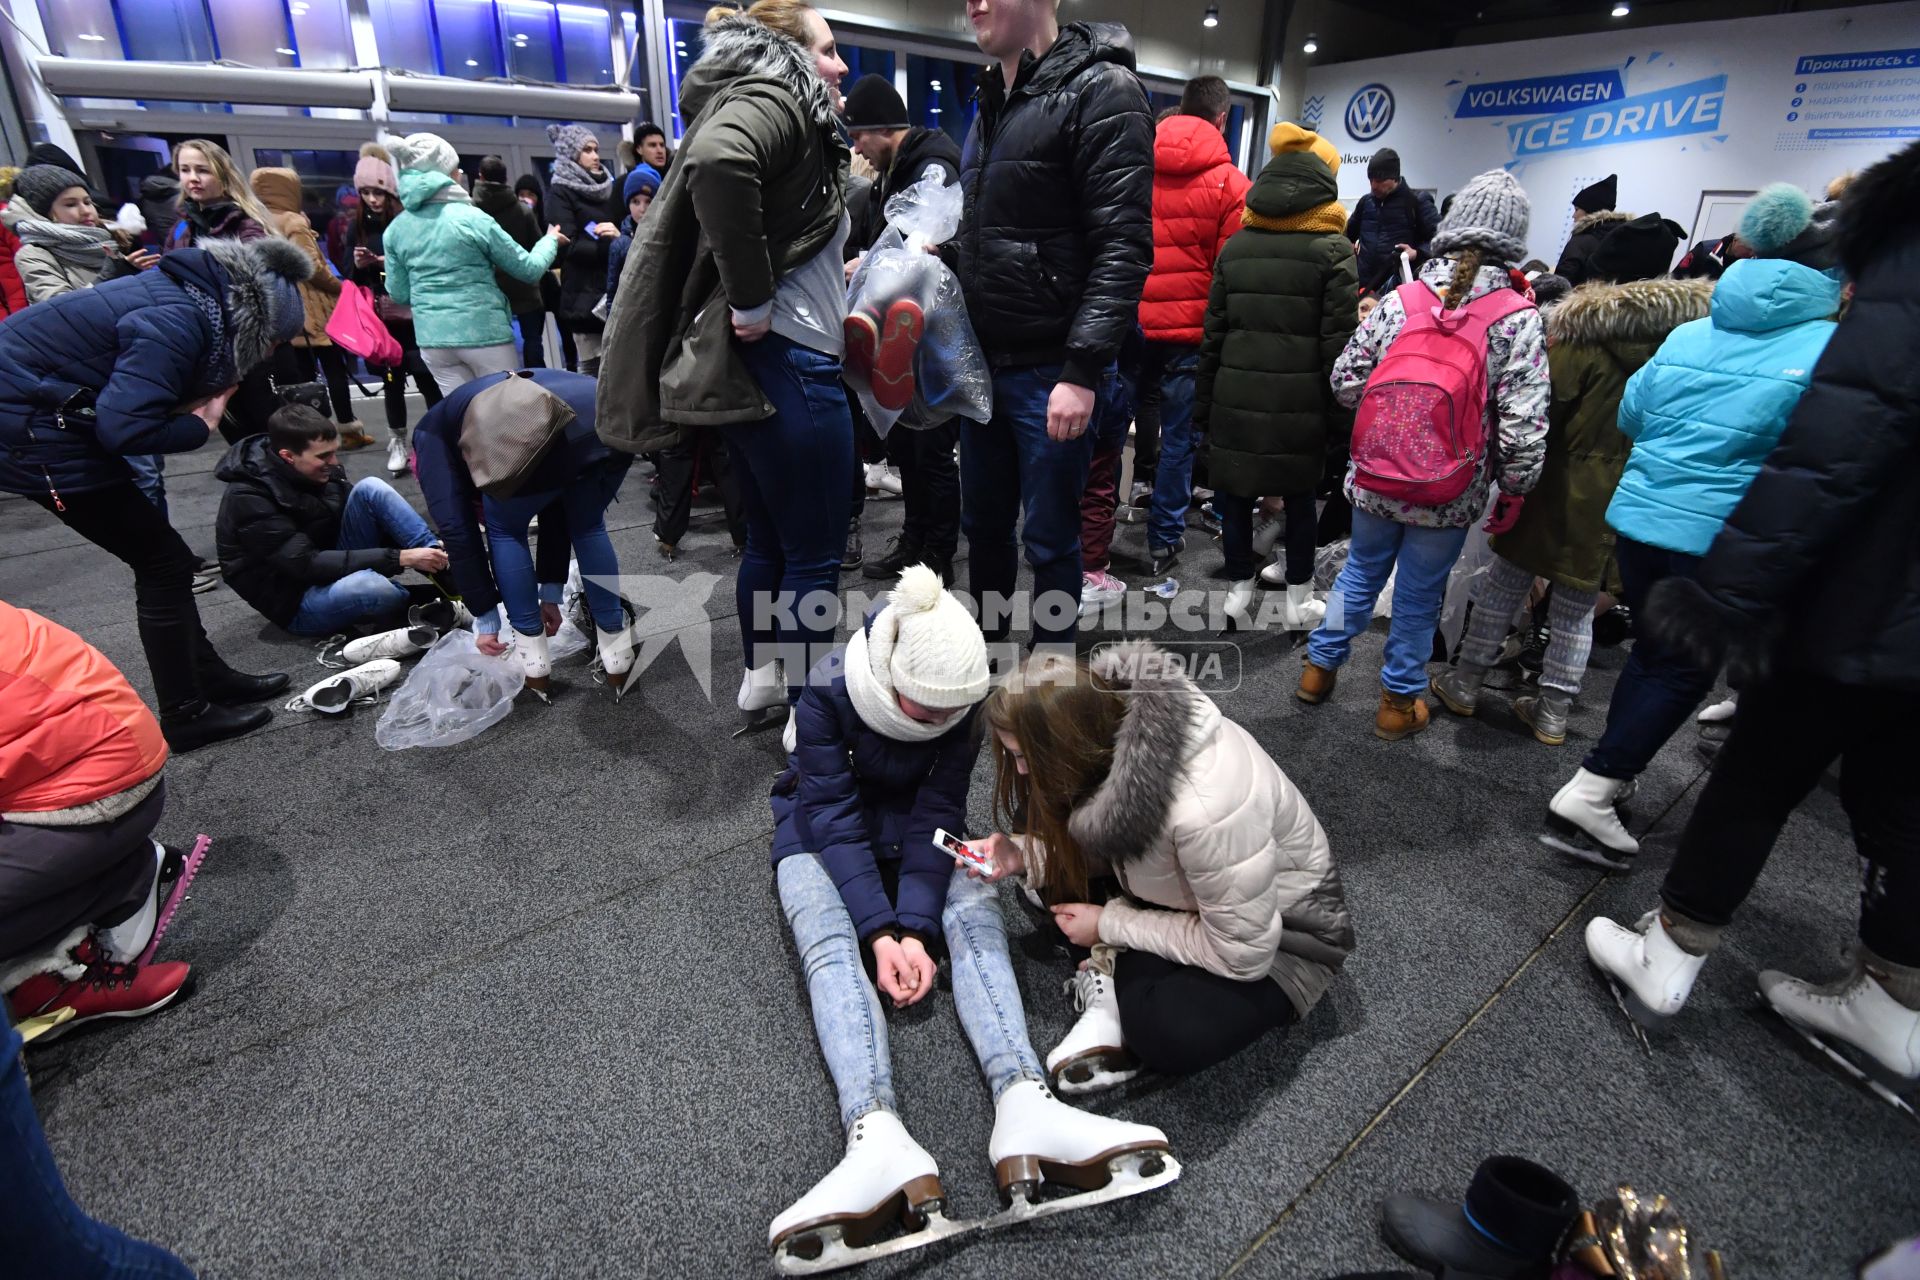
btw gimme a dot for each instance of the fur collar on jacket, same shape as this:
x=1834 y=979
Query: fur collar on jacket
x=1642 y=311
x=262 y=311
x=1879 y=207
x=1167 y=720
x=1602 y=221
x=739 y=46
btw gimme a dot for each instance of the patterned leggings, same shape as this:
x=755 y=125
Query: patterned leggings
x=1569 y=623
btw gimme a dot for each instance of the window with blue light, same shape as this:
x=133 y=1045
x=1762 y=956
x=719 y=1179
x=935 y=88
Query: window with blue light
x=943 y=94
x=586 y=44
x=165 y=31
x=468 y=35
x=403 y=31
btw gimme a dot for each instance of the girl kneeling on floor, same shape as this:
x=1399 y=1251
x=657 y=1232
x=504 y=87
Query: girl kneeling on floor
x=1231 y=919
x=883 y=747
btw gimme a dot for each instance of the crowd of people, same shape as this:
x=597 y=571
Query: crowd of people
x=1725 y=452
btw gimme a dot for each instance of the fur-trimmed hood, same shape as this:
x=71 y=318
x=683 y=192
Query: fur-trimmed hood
x=1167 y=720
x=1644 y=311
x=263 y=303
x=739 y=46
x=1601 y=222
x=1879 y=206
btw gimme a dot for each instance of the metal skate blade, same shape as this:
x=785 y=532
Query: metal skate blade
x=763 y=721
x=1862 y=1072
x=1606 y=859
x=1633 y=1019
x=1129 y=1179
x=836 y=1254
x=189 y=868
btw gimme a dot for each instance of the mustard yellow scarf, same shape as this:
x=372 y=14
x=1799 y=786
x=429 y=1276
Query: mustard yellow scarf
x=1327 y=217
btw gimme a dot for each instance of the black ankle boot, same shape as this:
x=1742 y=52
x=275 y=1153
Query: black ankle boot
x=232 y=687
x=200 y=724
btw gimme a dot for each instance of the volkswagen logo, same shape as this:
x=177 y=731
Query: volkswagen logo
x=1369 y=112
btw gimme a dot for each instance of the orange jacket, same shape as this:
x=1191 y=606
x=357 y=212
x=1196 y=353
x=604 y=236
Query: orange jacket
x=1198 y=195
x=72 y=730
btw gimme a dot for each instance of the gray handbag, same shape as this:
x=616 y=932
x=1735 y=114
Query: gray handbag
x=508 y=429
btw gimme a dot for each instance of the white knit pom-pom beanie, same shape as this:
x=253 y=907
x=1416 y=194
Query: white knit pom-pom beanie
x=928 y=644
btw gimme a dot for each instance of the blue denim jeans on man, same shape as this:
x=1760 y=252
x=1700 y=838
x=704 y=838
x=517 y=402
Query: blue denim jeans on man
x=793 y=468
x=1658 y=689
x=1423 y=558
x=583 y=504
x=847 y=1015
x=1173 y=476
x=1012 y=472
x=375 y=516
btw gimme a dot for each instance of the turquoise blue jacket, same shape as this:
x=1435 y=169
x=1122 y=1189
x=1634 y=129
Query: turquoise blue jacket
x=440 y=261
x=1705 y=412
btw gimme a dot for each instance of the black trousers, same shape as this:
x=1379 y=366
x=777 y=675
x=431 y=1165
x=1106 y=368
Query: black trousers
x=55 y=879
x=313 y=364
x=673 y=498
x=1236 y=536
x=252 y=404
x=120 y=521
x=533 y=333
x=394 y=381
x=929 y=487
x=1179 y=1019
x=1785 y=736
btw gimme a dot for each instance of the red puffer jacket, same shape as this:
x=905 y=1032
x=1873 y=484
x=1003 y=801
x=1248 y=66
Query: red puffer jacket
x=13 y=293
x=72 y=730
x=1198 y=195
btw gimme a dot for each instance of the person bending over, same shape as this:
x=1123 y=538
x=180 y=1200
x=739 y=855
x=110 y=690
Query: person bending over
x=883 y=748
x=310 y=552
x=1231 y=919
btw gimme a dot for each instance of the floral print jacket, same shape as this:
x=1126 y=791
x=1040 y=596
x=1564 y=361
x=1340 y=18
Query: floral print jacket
x=1519 y=393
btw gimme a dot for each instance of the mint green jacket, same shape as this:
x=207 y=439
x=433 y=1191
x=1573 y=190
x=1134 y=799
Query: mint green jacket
x=441 y=256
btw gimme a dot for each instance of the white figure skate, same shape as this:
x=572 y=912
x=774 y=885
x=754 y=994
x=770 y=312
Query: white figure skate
x=1583 y=821
x=615 y=658
x=763 y=698
x=537 y=662
x=1093 y=1056
x=401 y=642
x=361 y=684
x=1868 y=1034
x=1040 y=1141
x=1650 y=975
x=885 y=1177
x=442 y=615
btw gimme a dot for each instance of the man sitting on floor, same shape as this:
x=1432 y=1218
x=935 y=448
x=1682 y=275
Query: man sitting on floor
x=299 y=545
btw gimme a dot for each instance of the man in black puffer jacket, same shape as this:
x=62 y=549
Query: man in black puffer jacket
x=1054 y=248
x=1391 y=217
x=1812 y=592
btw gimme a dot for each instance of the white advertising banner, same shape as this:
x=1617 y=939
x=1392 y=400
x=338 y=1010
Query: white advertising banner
x=1693 y=118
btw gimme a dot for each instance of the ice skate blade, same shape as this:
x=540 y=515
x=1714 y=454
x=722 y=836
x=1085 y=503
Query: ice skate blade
x=189 y=868
x=832 y=1244
x=1892 y=1089
x=1594 y=855
x=1095 y=1071
x=1129 y=1173
x=765 y=718
x=1639 y=1017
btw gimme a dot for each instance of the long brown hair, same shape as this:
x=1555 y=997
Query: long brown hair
x=233 y=185
x=1065 y=718
x=788 y=17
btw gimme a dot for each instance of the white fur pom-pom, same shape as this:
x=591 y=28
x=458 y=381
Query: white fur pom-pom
x=919 y=590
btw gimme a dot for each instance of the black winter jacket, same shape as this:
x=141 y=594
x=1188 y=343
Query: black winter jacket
x=583 y=262
x=1057 y=235
x=1823 y=553
x=920 y=151
x=499 y=202
x=278 y=533
x=1576 y=260
x=1404 y=217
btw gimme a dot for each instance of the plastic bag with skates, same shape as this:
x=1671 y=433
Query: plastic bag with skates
x=453 y=694
x=920 y=364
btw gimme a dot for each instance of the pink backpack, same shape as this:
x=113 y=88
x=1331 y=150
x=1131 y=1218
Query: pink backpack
x=1421 y=429
x=355 y=327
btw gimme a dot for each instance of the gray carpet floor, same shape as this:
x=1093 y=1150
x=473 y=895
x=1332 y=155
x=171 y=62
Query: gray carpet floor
x=527 y=1006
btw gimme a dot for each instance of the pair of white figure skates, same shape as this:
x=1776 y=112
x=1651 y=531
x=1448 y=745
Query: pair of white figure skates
x=1038 y=1142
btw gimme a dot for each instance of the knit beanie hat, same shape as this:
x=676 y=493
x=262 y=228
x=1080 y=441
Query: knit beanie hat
x=567 y=139
x=642 y=178
x=875 y=104
x=1287 y=137
x=425 y=153
x=1783 y=222
x=1490 y=214
x=376 y=173
x=1599 y=197
x=932 y=648
x=1385 y=164
x=1638 y=250
x=41 y=184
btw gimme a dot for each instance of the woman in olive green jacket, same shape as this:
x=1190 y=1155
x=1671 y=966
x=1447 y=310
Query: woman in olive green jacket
x=1283 y=305
x=1597 y=339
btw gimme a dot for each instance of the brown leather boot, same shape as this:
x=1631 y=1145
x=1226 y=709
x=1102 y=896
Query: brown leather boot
x=1401 y=715
x=1316 y=684
x=353 y=436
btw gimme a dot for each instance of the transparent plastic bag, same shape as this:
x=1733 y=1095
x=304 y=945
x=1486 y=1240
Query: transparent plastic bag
x=950 y=374
x=453 y=694
x=1329 y=560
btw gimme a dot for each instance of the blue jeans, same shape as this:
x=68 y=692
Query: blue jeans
x=375 y=516
x=1658 y=689
x=584 y=501
x=794 y=469
x=1173 y=477
x=1424 y=557
x=1011 y=471
x=150 y=477
x=847 y=1015
x=46 y=1233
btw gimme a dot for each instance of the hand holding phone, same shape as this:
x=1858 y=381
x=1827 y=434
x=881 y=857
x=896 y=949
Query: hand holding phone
x=979 y=861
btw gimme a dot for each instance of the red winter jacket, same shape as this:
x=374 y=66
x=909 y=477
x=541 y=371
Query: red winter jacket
x=1198 y=195
x=13 y=293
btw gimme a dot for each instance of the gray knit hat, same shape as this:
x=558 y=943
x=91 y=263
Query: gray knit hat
x=567 y=139
x=1489 y=214
x=41 y=184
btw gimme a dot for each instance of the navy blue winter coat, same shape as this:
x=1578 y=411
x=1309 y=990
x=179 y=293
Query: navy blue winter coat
x=857 y=799
x=1404 y=217
x=134 y=349
x=453 y=500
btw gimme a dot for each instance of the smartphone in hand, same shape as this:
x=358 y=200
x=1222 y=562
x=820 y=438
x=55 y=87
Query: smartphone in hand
x=963 y=853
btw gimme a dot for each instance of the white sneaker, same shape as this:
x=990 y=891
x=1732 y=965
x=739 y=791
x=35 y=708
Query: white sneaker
x=1093 y=1056
x=884 y=1174
x=1854 y=1014
x=338 y=692
x=1301 y=612
x=1583 y=823
x=882 y=480
x=1098 y=590
x=401 y=642
x=1652 y=975
x=397 y=453
x=762 y=688
x=1036 y=1136
x=1719 y=712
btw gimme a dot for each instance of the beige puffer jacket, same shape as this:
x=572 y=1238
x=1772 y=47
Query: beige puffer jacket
x=1224 y=865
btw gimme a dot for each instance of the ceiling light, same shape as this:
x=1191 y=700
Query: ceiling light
x=91 y=36
x=473 y=62
x=1213 y=16
x=1311 y=46
x=1620 y=10
x=934 y=85
x=286 y=51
